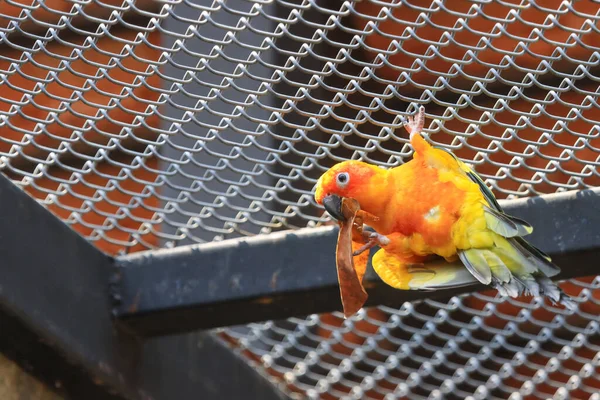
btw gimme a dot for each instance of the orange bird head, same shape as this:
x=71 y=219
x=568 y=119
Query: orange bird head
x=353 y=179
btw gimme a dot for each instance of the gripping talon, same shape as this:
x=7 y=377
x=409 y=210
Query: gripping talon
x=415 y=125
x=373 y=239
x=380 y=239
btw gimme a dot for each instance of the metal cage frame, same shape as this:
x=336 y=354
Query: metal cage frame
x=133 y=326
x=129 y=328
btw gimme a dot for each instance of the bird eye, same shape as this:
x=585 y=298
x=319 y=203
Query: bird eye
x=342 y=179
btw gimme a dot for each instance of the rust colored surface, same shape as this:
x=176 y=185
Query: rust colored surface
x=34 y=17
x=82 y=102
x=543 y=151
x=481 y=26
x=128 y=194
x=91 y=89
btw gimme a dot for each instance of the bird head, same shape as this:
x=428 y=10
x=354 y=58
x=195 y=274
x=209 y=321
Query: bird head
x=348 y=179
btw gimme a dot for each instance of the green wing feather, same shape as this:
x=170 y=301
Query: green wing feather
x=475 y=262
x=505 y=225
x=512 y=265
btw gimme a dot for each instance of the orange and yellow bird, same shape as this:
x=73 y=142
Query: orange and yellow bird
x=435 y=205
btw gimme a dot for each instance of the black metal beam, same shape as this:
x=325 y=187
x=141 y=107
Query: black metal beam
x=55 y=321
x=293 y=274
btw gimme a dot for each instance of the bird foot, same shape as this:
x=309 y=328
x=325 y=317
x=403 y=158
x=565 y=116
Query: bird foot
x=372 y=239
x=414 y=125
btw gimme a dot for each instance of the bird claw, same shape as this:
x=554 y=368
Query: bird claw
x=372 y=239
x=414 y=125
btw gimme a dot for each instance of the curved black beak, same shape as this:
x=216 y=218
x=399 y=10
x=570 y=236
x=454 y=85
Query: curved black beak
x=333 y=205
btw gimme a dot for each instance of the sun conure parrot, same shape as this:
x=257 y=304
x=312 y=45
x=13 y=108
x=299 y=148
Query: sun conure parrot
x=436 y=205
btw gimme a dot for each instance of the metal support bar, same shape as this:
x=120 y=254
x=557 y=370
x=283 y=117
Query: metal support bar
x=293 y=273
x=55 y=321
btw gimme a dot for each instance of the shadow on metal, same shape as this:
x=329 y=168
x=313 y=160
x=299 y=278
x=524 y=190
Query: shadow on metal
x=55 y=321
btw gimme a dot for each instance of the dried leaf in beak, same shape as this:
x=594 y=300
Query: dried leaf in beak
x=361 y=260
x=352 y=292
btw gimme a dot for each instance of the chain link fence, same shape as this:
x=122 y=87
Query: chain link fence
x=148 y=124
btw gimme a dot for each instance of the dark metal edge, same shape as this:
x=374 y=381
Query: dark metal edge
x=55 y=322
x=293 y=273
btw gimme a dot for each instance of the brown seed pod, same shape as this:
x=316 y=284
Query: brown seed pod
x=352 y=292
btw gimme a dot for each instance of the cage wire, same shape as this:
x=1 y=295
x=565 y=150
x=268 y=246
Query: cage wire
x=148 y=124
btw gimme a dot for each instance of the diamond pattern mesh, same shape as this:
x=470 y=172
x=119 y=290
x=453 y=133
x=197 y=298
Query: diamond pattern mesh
x=147 y=124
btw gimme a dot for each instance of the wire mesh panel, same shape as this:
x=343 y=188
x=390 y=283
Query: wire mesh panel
x=477 y=347
x=147 y=124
